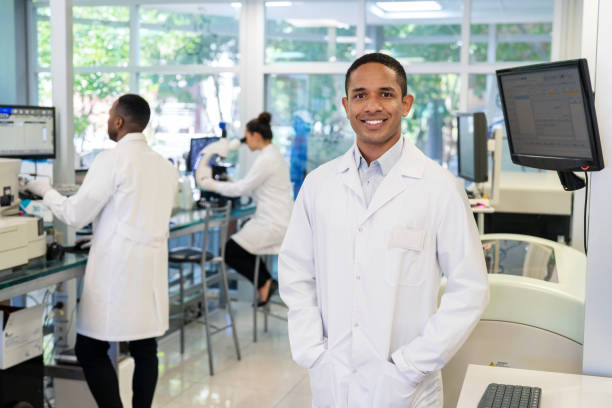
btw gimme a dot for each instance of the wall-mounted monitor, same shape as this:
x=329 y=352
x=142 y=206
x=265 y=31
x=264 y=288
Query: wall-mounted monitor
x=472 y=147
x=549 y=114
x=27 y=132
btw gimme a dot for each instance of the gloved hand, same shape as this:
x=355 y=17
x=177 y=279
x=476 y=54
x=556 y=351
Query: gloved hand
x=209 y=184
x=38 y=187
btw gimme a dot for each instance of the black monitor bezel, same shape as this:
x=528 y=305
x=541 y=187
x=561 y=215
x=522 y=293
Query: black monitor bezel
x=34 y=156
x=559 y=163
x=484 y=176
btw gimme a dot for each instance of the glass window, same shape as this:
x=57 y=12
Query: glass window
x=186 y=106
x=184 y=34
x=94 y=95
x=430 y=124
x=429 y=35
x=43 y=36
x=516 y=31
x=310 y=31
x=44 y=89
x=101 y=36
x=309 y=122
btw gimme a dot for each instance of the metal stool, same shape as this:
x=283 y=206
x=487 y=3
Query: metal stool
x=182 y=255
x=266 y=308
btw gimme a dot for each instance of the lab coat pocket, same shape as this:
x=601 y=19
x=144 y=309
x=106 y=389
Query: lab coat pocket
x=393 y=390
x=322 y=382
x=406 y=247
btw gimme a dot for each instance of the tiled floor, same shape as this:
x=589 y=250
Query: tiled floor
x=265 y=377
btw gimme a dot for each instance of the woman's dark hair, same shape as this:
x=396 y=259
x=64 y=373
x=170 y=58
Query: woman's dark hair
x=261 y=125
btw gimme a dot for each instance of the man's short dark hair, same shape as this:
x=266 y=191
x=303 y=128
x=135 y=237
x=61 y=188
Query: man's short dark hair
x=380 y=58
x=135 y=110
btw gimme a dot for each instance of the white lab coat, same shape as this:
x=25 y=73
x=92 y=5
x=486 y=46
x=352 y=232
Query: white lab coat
x=128 y=194
x=362 y=283
x=268 y=183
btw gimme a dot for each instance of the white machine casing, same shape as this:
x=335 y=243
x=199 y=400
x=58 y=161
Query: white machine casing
x=529 y=323
x=21 y=238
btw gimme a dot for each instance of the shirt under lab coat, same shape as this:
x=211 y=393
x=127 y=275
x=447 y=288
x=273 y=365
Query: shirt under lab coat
x=361 y=283
x=267 y=181
x=128 y=194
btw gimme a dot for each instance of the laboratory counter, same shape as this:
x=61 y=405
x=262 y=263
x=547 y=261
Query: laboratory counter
x=40 y=273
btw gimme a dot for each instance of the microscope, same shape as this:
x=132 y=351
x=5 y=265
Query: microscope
x=211 y=164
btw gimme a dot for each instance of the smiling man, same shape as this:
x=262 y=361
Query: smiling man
x=371 y=234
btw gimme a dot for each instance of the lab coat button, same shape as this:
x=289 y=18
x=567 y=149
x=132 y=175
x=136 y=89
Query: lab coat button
x=360 y=229
x=357 y=277
x=356 y=325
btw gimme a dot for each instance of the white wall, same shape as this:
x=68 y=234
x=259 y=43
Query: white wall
x=598 y=323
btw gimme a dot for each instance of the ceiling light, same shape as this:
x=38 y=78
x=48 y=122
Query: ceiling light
x=404 y=6
x=278 y=4
x=236 y=4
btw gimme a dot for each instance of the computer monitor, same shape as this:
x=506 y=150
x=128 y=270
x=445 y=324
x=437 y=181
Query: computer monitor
x=27 y=132
x=550 y=119
x=196 y=146
x=472 y=147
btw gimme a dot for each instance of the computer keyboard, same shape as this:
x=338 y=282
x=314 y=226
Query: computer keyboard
x=510 y=396
x=66 y=189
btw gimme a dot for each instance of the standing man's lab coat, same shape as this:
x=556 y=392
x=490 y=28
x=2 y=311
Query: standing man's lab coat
x=268 y=183
x=127 y=194
x=361 y=282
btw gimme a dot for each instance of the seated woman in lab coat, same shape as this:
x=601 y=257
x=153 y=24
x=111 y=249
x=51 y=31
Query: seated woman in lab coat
x=268 y=183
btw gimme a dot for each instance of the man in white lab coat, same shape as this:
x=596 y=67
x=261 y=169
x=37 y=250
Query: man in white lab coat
x=371 y=234
x=127 y=194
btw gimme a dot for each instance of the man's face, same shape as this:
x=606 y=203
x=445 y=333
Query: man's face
x=114 y=122
x=375 y=105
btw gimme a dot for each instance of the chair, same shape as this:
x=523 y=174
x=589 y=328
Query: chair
x=266 y=309
x=220 y=216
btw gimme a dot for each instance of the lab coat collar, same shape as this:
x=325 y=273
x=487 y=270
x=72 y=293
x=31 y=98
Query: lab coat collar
x=132 y=137
x=411 y=165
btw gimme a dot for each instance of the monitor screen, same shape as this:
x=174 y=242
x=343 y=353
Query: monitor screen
x=472 y=146
x=27 y=132
x=196 y=146
x=550 y=116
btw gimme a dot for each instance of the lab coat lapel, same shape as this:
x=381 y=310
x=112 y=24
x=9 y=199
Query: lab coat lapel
x=410 y=166
x=347 y=171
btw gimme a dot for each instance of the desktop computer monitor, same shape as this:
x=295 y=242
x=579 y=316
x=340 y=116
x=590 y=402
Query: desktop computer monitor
x=550 y=119
x=27 y=132
x=196 y=146
x=472 y=147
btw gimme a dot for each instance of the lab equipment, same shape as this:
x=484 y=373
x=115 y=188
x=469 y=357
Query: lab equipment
x=27 y=132
x=211 y=165
x=535 y=316
x=510 y=396
x=472 y=146
x=21 y=237
x=550 y=119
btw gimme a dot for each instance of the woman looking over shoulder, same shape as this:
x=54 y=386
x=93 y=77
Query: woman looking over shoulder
x=268 y=183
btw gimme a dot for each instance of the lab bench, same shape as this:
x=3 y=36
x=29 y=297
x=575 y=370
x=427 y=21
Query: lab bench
x=41 y=273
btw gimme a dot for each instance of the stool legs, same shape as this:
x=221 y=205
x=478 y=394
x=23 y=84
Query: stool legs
x=229 y=309
x=182 y=295
x=255 y=298
x=206 y=323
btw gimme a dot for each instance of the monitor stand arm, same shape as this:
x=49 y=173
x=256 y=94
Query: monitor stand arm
x=570 y=181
